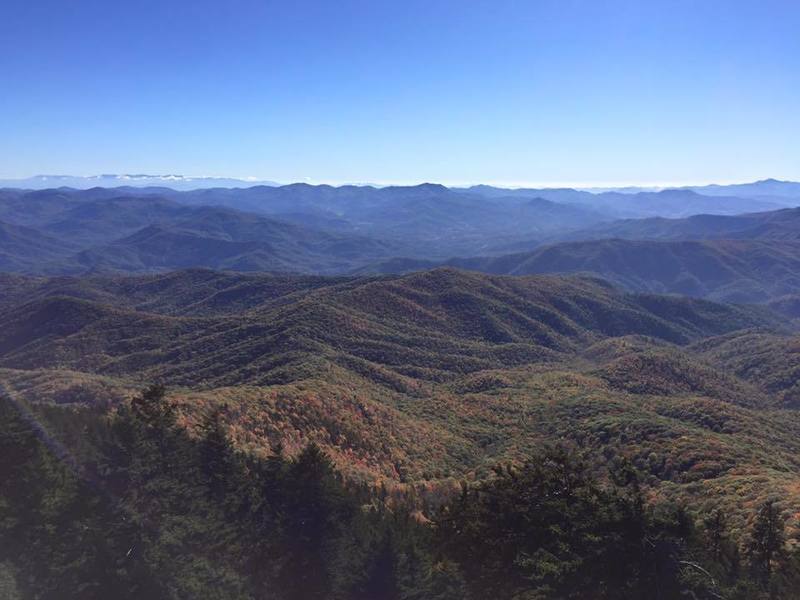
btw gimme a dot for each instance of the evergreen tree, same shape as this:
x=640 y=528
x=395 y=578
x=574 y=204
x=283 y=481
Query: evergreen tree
x=766 y=547
x=161 y=512
x=314 y=510
x=216 y=454
x=64 y=536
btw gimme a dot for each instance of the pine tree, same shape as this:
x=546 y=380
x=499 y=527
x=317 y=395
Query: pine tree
x=314 y=509
x=766 y=546
x=216 y=454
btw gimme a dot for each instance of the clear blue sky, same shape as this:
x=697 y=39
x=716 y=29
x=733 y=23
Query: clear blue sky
x=552 y=91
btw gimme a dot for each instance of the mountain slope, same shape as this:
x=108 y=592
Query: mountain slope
x=723 y=270
x=425 y=326
x=783 y=225
x=769 y=361
x=95 y=221
x=195 y=292
x=766 y=188
x=225 y=239
x=25 y=249
x=101 y=231
x=672 y=203
x=421 y=380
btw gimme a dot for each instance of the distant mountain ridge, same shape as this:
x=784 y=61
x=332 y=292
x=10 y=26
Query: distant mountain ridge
x=782 y=224
x=632 y=203
x=429 y=220
x=762 y=188
x=728 y=270
x=96 y=230
x=176 y=182
x=302 y=228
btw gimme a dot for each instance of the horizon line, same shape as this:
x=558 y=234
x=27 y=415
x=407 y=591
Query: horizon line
x=129 y=178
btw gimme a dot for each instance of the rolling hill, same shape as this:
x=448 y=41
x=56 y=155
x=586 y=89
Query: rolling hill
x=414 y=378
x=425 y=326
x=421 y=390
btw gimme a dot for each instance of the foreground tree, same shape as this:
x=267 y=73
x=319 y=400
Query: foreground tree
x=767 y=544
x=549 y=530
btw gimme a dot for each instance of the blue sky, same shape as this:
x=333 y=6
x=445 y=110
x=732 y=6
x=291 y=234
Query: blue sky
x=539 y=92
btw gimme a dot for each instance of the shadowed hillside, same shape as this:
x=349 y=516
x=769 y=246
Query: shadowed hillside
x=723 y=270
x=23 y=249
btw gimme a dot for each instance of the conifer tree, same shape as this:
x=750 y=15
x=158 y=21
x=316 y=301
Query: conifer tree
x=766 y=546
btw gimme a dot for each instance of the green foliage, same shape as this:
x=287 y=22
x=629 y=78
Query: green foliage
x=230 y=487
x=548 y=530
x=172 y=515
x=65 y=538
x=766 y=546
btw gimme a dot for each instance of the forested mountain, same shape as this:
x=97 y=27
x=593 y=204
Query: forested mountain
x=727 y=270
x=325 y=229
x=666 y=203
x=25 y=249
x=411 y=421
x=766 y=188
x=473 y=322
x=412 y=389
x=781 y=224
x=90 y=231
x=416 y=336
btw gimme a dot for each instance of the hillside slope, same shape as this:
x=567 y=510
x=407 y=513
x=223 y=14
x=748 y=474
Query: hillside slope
x=744 y=271
x=424 y=326
x=778 y=225
x=419 y=380
x=24 y=249
x=297 y=227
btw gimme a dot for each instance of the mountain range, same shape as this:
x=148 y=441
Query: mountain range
x=424 y=222
x=177 y=182
x=765 y=188
x=409 y=346
x=731 y=270
x=426 y=376
x=397 y=399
